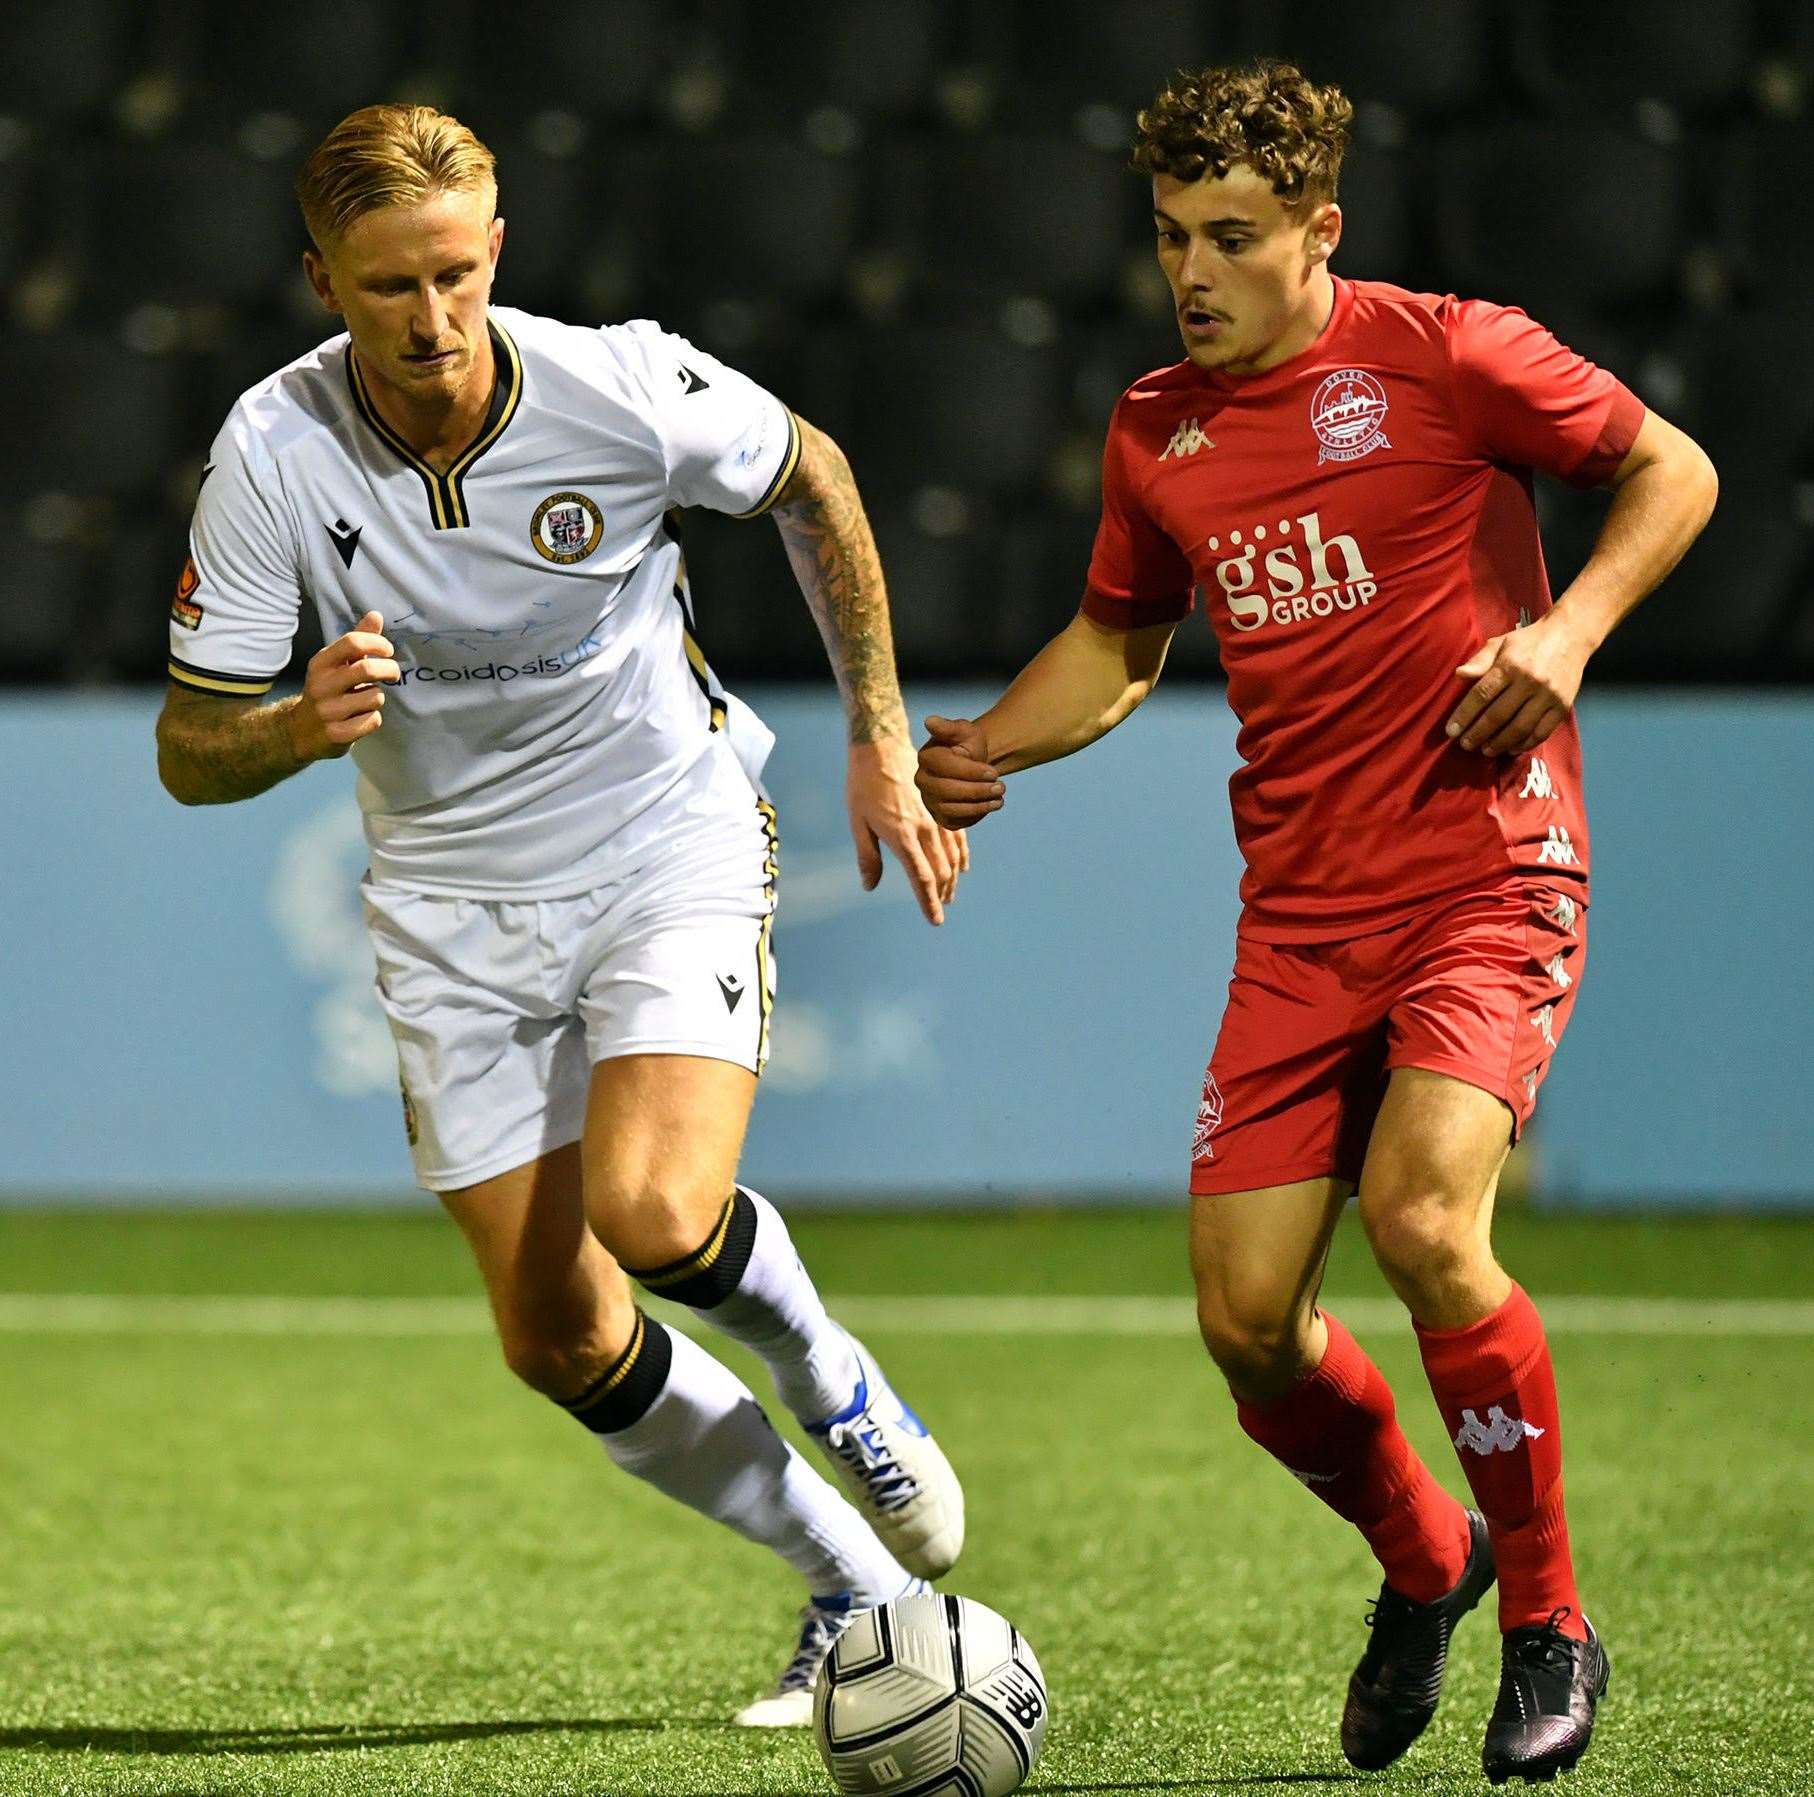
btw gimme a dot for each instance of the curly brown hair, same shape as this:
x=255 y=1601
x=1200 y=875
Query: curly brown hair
x=1268 y=115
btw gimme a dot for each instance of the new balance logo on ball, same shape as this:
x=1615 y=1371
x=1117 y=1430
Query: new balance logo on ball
x=1499 y=1433
x=1187 y=439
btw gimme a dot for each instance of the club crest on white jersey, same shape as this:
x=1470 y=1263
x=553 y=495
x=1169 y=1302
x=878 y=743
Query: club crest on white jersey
x=566 y=528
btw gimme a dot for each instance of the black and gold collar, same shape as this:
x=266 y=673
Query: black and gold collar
x=446 y=492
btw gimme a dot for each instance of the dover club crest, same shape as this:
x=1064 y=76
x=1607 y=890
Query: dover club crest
x=1348 y=415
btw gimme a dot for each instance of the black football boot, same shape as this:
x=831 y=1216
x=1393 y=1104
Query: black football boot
x=1393 y=1692
x=1549 y=1687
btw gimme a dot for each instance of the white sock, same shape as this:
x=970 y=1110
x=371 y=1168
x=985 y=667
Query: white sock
x=706 y=1443
x=777 y=1311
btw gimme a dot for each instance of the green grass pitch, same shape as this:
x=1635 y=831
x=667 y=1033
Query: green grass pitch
x=356 y=1562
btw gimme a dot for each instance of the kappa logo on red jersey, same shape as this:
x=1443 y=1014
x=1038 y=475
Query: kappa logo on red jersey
x=1537 y=781
x=1187 y=439
x=1301 y=570
x=1348 y=413
x=1558 y=848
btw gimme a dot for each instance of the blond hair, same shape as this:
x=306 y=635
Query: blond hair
x=389 y=156
x=1292 y=133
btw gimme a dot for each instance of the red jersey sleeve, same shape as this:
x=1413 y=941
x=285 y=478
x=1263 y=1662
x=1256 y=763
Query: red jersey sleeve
x=1138 y=575
x=1530 y=401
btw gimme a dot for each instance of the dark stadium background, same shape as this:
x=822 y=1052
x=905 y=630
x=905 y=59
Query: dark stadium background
x=914 y=222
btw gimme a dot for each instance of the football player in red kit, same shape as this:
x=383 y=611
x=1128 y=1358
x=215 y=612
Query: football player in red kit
x=1343 y=470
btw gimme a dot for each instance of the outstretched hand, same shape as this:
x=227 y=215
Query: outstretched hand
x=955 y=777
x=885 y=809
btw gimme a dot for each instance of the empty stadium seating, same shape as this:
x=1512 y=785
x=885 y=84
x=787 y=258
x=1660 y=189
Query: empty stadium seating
x=916 y=222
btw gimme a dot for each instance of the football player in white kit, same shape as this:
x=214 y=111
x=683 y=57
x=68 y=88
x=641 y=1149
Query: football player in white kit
x=572 y=860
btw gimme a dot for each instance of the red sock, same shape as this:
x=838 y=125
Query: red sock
x=1337 y=1431
x=1496 y=1389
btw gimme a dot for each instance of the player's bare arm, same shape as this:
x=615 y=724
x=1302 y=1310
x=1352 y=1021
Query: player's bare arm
x=1083 y=683
x=833 y=553
x=834 y=558
x=213 y=751
x=1525 y=681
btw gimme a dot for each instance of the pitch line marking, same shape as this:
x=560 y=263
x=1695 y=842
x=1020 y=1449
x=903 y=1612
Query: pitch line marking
x=75 y=1313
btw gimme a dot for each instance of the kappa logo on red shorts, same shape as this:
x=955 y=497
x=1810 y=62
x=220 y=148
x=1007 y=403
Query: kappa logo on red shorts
x=1209 y=1115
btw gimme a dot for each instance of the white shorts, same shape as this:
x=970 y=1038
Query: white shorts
x=501 y=1008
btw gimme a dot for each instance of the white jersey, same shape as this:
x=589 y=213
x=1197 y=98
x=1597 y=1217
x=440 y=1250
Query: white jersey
x=556 y=719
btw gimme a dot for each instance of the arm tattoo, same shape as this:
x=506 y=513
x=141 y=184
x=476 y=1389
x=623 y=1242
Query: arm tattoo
x=212 y=751
x=834 y=558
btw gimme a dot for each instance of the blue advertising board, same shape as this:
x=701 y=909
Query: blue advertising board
x=188 y=1009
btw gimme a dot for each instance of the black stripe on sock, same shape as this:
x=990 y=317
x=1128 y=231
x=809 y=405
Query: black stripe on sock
x=623 y=1393
x=716 y=1267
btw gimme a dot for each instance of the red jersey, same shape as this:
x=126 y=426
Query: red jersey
x=1359 y=520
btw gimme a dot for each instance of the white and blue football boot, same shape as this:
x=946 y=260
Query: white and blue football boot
x=822 y=1621
x=894 y=1472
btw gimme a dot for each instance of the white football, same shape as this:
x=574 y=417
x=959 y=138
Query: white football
x=930 y=1696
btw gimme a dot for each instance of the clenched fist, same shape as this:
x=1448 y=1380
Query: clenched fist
x=343 y=692
x=955 y=777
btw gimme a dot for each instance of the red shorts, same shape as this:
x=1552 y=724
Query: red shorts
x=1480 y=987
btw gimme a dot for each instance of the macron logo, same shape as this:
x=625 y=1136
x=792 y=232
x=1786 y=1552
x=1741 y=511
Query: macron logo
x=1187 y=439
x=346 y=539
x=1499 y=1433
